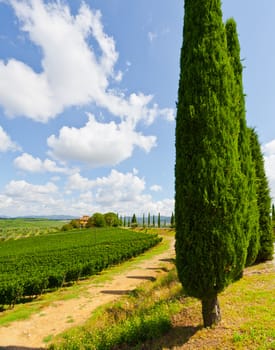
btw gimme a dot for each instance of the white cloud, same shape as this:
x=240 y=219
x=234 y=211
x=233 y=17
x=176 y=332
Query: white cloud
x=35 y=165
x=24 y=198
x=155 y=188
x=73 y=73
x=119 y=192
x=123 y=193
x=99 y=144
x=152 y=36
x=269 y=159
x=22 y=188
x=79 y=183
x=6 y=144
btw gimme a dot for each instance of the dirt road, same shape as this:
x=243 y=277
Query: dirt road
x=61 y=315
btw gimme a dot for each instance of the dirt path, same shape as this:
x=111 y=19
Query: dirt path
x=61 y=315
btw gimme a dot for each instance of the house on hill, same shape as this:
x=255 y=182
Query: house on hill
x=84 y=220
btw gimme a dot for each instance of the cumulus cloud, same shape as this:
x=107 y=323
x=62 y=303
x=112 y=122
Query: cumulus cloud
x=24 y=198
x=123 y=193
x=269 y=159
x=155 y=188
x=99 y=144
x=29 y=163
x=115 y=192
x=73 y=73
x=6 y=144
x=21 y=188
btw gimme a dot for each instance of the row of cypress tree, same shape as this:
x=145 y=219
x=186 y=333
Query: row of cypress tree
x=222 y=201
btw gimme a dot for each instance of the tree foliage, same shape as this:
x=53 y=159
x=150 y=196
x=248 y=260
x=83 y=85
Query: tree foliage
x=134 y=222
x=112 y=219
x=250 y=214
x=263 y=201
x=96 y=220
x=211 y=245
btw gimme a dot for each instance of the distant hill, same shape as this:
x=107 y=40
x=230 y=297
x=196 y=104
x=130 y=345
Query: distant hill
x=44 y=217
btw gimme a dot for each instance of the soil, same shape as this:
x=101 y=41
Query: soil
x=62 y=315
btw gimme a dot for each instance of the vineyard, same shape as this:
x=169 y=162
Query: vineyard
x=22 y=228
x=31 y=266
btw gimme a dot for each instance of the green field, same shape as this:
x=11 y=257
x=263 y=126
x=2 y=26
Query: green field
x=30 y=266
x=22 y=228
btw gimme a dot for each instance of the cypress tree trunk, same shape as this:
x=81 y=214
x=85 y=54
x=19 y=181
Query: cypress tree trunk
x=211 y=311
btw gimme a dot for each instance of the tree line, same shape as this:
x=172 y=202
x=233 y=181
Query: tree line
x=111 y=219
x=222 y=200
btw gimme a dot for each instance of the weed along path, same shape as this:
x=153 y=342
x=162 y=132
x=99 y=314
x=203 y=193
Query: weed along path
x=61 y=310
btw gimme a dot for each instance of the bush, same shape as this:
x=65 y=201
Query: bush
x=97 y=220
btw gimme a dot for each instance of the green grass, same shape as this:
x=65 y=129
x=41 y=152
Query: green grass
x=248 y=312
x=143 y=315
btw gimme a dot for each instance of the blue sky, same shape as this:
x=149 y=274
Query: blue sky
x=87 y=101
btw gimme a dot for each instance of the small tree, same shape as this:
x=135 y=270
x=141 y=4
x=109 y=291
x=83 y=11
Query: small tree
x=172 y=221
x=134 y=221
x=75 y=223
x=97 y=220
x=111 y=219
x=143 y=221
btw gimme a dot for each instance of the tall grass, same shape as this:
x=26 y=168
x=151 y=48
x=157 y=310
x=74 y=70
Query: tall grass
x=144 y=315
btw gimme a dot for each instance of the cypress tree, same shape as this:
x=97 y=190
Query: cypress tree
x=250 y=217
x=273 y=212
x=143 y=221
x=134 y=221
x=148 y=221
x=210 y=243
x=153 y=220
x=263 y=200
x=158 y=220
x=172 y=221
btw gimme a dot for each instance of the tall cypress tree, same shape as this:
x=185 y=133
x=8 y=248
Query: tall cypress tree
x=143 y=221
x=250 y=217
x=263 y=200
x=172 y=220
x=210 y=243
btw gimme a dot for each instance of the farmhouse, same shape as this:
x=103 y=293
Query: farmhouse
x=83 y=220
